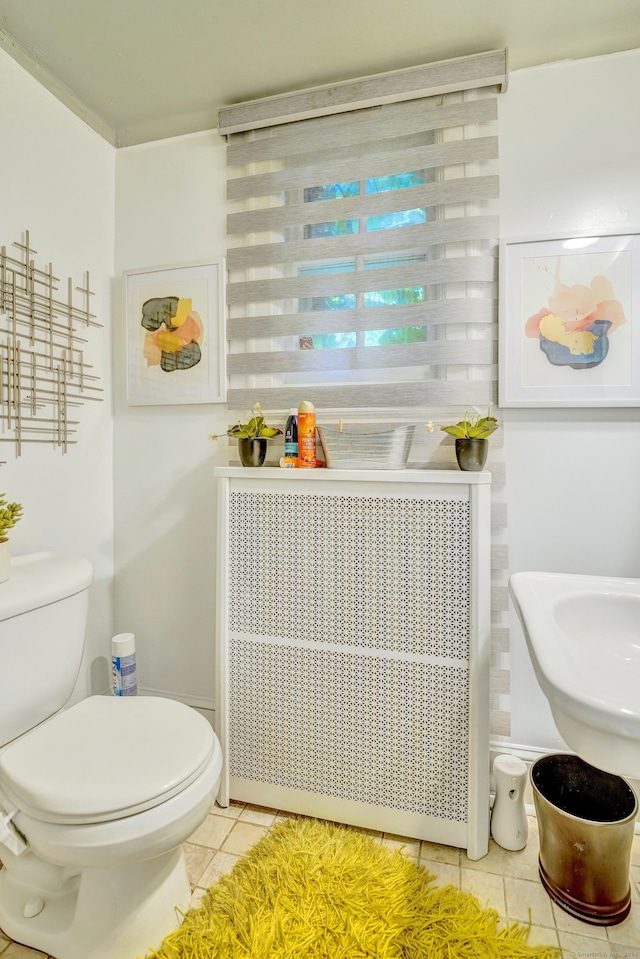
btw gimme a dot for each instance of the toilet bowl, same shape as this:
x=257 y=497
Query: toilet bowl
x=104 y=794
x=95 y=803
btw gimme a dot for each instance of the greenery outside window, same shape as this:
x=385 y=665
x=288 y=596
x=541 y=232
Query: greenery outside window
x=388 y=221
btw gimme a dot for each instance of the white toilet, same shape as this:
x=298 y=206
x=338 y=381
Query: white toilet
x=95 y=800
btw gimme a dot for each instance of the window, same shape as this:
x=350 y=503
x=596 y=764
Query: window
x=366 y=269
x=373 y=298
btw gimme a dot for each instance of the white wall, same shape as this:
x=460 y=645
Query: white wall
x=569 y=161
x=57 y=180
x=169 y=211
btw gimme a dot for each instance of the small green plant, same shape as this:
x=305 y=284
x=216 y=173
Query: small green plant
x=10 y=513
x=256 y=427
x=474 y=425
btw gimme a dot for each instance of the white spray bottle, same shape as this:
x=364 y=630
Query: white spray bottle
x=123 y=665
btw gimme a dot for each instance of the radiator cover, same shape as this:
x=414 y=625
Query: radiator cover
x=353 y=647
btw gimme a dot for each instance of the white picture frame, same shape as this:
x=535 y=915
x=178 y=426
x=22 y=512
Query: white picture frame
x=175 y=339
x=569 y=334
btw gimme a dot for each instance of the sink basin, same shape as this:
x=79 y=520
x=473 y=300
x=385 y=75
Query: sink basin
x=583 y=635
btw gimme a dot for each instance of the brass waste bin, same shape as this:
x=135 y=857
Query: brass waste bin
x=586 y=821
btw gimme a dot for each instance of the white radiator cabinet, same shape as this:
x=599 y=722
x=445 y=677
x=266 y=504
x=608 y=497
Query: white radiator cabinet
x=352 y=647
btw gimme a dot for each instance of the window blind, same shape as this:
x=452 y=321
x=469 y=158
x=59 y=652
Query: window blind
x=363 y=257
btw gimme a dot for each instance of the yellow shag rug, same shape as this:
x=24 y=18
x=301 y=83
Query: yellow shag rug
x=312 y=889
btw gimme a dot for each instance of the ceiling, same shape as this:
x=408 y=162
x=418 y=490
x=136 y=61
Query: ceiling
x=139 y=70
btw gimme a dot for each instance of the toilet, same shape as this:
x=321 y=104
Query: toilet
x=95 y=799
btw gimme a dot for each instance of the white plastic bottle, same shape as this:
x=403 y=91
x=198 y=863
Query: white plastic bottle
x=123 y=665
x=509 y=826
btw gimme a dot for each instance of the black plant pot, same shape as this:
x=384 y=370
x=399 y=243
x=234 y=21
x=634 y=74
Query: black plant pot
x=252 y=451
x=471 y=453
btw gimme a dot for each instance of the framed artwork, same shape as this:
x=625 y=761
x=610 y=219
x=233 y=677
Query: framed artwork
x=570 y=321
x=175 y=334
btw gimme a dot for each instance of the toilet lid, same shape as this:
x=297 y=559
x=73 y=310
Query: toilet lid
x=106 y=758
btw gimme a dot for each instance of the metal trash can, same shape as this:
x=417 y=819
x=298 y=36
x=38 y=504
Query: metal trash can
x=586 y=821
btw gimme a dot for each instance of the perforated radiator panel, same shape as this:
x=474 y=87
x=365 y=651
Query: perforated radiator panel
x=348 y=647
x=355 y=727
x=377 y=572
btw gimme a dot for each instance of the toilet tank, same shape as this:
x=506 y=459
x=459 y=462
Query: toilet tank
x=43 y=616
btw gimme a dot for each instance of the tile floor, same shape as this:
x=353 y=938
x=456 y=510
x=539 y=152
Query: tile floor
x=505 y=881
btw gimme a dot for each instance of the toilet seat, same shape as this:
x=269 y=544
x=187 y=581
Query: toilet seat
x=131 y=839
x=105 y=759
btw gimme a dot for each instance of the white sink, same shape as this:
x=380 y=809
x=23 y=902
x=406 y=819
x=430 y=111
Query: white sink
x=583 y=634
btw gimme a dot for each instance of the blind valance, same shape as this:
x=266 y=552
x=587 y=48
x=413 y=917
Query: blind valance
x=446 y=76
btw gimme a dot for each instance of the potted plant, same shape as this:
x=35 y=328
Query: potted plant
x=471 y=435
x=10 y=513
x=252 y=437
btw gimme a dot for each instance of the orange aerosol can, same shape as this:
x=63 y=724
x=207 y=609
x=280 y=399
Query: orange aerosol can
x=306 y=435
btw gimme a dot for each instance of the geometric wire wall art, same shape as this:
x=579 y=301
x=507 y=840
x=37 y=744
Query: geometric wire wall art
x=43 y=371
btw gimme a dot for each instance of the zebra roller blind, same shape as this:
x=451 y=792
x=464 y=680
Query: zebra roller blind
x=364 y=243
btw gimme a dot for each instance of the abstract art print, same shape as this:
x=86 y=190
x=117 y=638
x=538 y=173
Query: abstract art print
x=569 y=321
x=175 y=335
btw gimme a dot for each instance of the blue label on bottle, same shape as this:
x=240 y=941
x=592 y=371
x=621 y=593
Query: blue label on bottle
x=123 y=675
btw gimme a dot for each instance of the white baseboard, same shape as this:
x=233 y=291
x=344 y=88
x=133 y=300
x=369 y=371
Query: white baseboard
x=202 y=704
x=198 y=702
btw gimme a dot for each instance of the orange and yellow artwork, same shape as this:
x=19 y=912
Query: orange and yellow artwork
x=569 y=321
x=574 y=326
x=174 y=333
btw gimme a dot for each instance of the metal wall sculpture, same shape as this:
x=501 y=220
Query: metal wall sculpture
x=43 y=372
